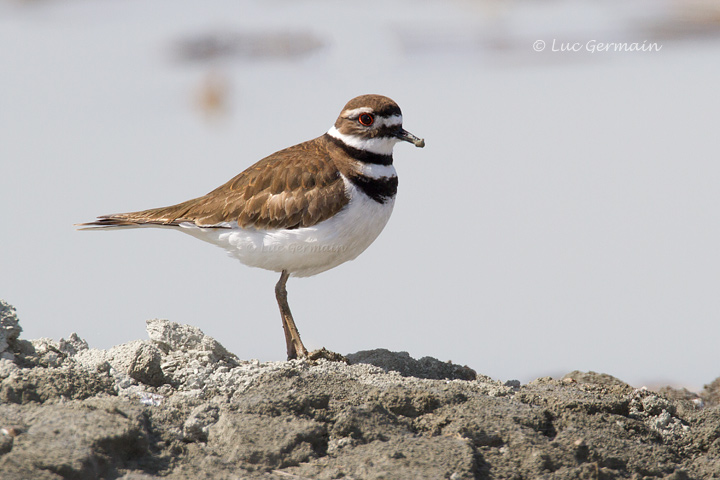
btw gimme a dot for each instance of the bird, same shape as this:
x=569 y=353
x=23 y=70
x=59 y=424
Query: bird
x=302 y=210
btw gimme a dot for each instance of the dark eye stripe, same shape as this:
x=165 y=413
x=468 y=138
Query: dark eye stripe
x=389 y=111
x=386 y=131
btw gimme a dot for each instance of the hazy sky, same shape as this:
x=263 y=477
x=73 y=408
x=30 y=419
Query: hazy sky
x=564 y=214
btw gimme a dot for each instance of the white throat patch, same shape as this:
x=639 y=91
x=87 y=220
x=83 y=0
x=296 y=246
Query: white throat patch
x=380 y=145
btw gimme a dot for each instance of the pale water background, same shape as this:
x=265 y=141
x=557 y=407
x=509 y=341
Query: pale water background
x=564 y=214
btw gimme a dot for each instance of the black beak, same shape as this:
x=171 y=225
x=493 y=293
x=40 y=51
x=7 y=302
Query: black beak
x=403 y=134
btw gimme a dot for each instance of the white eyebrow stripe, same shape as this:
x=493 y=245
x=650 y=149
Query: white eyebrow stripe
x=356 y=111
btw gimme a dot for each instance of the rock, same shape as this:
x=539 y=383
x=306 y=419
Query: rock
x=711 y=392
x=9 y=330
x=145 y=366
x=6 y=443
x=399 y=458
x=173 y=337
x=137 y=476
x=195 y=428
x=401 y=362
x=7 y=368
x=262 y=442
x=180 y=406
x=593 y=378
x=41 y=385
x=77 y=439
x=72 y=345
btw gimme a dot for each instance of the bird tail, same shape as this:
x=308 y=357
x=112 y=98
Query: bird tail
x=172 y=216
x=116 y=221
x=153 y=217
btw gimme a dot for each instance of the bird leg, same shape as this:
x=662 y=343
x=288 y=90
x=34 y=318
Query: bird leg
x=295 y=346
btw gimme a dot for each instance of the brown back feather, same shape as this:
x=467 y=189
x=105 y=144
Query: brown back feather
x=296 y=187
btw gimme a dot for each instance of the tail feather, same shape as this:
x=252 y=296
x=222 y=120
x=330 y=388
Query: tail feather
x=132 y=219
x=172 y=216
x=113 y=221
x=147 y=218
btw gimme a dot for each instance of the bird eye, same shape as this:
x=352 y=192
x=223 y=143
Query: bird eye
x=366 y=119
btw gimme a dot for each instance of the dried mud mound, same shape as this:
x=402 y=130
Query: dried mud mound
x=180 y=406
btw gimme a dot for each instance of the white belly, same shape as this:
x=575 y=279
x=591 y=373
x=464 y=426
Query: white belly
x=305 y=251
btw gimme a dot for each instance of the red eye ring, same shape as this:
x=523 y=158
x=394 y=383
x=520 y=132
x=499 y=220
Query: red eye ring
x=366 y=119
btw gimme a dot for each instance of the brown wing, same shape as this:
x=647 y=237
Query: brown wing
x=296 y=187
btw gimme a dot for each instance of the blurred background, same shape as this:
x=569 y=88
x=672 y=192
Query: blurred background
x=564 y=214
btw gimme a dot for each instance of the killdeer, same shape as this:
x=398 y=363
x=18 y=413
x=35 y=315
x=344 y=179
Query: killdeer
x=302 y=210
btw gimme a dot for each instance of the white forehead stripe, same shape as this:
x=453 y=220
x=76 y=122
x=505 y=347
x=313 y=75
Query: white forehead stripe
x=379 y=145
x=391 y=121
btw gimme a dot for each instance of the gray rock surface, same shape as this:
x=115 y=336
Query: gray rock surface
x=180 y=406
x=9 y=330
x=405 y=365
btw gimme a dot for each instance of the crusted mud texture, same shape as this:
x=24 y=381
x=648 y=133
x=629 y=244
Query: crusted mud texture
x=180 y=406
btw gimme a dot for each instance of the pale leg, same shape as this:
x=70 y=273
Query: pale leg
x=295 y=346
